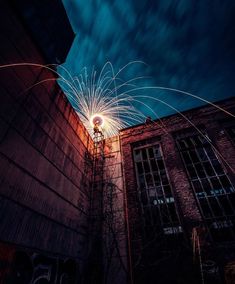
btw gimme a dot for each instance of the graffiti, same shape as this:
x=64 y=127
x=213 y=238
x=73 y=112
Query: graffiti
x=6 y=258
x=23 y=267
x=230 y=273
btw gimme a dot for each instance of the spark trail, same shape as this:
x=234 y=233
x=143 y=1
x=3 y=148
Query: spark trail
x=106 y=95
x=98 y=95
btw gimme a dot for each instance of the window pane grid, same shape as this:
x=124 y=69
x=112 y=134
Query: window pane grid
x=155 y=195
x=210 y=183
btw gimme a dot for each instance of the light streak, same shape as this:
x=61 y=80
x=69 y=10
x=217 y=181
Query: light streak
x=105 y=95
x=97 y=95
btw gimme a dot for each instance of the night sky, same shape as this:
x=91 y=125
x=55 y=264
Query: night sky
x=187 y=45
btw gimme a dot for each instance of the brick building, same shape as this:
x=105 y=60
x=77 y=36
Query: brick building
x=152 y=205
x=179 y=180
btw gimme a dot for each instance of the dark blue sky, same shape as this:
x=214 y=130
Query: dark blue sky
x=186 y=44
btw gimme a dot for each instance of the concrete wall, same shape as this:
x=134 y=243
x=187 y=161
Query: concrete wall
x=45 y=166
x=114 y=224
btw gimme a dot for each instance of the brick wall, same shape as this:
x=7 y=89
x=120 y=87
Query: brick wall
x=164 y=131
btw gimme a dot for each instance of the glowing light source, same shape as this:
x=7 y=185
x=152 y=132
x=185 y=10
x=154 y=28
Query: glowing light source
x=98 y=120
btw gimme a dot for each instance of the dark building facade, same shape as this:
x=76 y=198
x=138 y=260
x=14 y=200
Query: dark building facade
x=154 y=204
x=47 y=25
x=45 y=172
x=179 y=180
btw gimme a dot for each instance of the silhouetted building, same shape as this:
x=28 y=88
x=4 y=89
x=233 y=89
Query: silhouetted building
x=48 y=26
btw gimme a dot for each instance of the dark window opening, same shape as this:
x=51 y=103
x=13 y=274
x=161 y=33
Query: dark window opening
x=212 y=187
x=155 y=194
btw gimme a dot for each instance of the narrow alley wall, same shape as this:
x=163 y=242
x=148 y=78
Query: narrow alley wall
x=45 y=167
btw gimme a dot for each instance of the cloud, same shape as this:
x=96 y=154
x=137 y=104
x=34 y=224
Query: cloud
x=188 y=45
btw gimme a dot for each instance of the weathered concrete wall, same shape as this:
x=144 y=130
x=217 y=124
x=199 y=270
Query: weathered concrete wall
x=114 y=224
x=45 y=172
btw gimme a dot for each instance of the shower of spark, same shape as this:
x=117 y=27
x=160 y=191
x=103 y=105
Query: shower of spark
x=100 y=96
x=111 y=100
x=104 y=103
x=105 y=100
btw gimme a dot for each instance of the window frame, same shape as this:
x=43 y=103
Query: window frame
x=162 y=202
x=205 y=201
